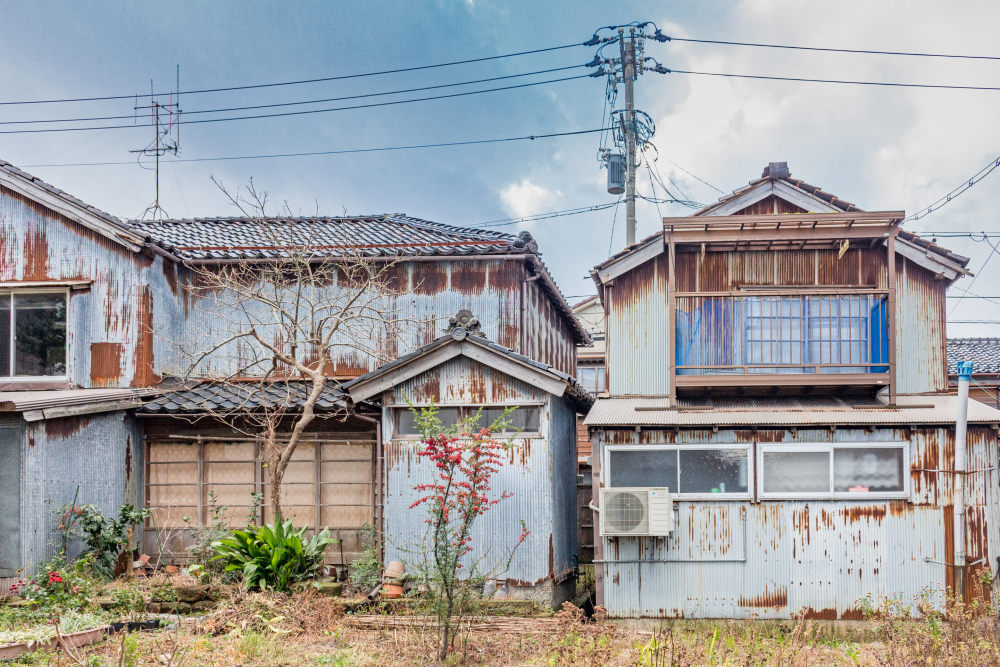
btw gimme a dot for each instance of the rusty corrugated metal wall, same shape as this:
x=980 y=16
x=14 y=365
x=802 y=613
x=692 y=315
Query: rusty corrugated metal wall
x=111 y=321
x=539 y=473
x=429 y=293
x=638 y=351
x=821 y=557
x=100 y=454
x=921 y=355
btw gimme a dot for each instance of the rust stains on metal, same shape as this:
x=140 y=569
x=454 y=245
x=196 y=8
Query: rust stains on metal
x=469 y=278
x=774 y=599
x=170 y=275
x=143 y=375
x=828 y=614
x=869 y=513
x=36 y=255
x=852 y=614
x=128 y=457
x=57 y=429
x=429 y=278
x=800 y=522
x=105 y=364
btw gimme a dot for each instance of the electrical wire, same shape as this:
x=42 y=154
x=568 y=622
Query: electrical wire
x=470 y=142
x=833 y=50
x=340 y=77
x=993 y=251
x=844 y=81
x=506 y=222
x=614 y=219
x=305 y=112
x=978 y=176
x=697 y=178
x=298 y=102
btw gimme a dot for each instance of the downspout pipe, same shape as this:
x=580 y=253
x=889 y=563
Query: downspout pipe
x=958 y=496
x=379 y=482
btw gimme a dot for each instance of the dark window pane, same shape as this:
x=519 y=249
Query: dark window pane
x=521 y=419
x=796 y=472
x=5 y=334
x=652 y=467
x=407 y=425
x=40 y=334
x=868 y=469
x=713 y=470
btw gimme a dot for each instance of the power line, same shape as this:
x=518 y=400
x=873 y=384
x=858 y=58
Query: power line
x=978 y=176
x=697 y=178
x=470 y=142
x=505 y=222
x=298 y=102
x=304 y=81
x=308 y=111
x=832 y=50
x=844 y=81
x=993 y=251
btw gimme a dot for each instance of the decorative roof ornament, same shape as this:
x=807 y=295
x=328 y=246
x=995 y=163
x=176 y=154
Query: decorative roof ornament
x=464 y=324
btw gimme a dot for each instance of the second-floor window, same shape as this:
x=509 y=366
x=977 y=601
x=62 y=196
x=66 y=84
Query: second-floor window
x=32 y=335
x=782 y=334
x=592 y=378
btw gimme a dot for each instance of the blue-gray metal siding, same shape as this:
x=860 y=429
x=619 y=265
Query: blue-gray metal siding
x=540 y=473
x=775 y=558
x=102 y=455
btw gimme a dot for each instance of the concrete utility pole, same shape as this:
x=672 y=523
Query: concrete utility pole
x=958 y=499
x=629 y=76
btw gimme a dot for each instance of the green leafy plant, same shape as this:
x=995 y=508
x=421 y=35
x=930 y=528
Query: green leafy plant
x=106 y=538
x=57 y=583
x=204 y=535
x=273 y=556
x=366 y=567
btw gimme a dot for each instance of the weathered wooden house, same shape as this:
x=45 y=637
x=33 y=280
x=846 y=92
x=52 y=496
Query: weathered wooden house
x=776 y=362
x=94 y=309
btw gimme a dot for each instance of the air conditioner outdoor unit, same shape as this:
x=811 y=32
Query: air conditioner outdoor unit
x=636 y=511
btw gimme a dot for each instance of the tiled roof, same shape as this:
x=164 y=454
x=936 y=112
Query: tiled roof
x=229 y=398
x=778 y=171
x=376 y=235
x=805 y=411
x=574 y=389
x=984 y=353
x=389 y=235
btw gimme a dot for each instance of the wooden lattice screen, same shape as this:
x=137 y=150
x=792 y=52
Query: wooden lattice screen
x=329 y=483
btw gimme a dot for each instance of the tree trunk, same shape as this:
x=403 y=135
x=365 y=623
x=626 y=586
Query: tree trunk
x=276 y=475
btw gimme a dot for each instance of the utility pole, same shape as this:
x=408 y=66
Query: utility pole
x=629 y=75
x=958 y=496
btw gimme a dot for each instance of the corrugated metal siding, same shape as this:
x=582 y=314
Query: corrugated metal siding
x=429 y=293
x=110 y=324
x=540 y=473
x=821 y=557
x=638 y=326
x=102 y=455
x=921 y=355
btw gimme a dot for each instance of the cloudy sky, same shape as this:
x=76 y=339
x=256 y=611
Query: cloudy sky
x=880 y=147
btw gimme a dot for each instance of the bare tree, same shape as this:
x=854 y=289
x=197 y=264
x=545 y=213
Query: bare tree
x=271 y=324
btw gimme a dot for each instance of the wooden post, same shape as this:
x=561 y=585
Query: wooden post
x=891 y=313
x=201 y=482
x=318 y=481
x=671 y=324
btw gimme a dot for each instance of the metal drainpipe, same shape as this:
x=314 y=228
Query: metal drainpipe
x=522 y=337
x=958 y=500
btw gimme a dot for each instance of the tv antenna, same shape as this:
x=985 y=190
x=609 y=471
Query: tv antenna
x=165 y=120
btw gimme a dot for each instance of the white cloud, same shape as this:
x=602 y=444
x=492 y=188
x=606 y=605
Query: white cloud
x=527 y=198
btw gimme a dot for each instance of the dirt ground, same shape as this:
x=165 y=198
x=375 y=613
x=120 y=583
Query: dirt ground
x=311 y=630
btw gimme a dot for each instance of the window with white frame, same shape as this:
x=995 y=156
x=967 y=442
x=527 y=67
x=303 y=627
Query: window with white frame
x=686 y=470
x=33 y=334
x=835 y=470
x=522 y=420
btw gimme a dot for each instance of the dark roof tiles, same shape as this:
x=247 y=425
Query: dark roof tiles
x=984 y=353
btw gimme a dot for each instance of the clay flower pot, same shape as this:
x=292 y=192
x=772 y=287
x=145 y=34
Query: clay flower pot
x=392 y=591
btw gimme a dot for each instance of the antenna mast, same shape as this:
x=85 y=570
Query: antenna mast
x=164 y=118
